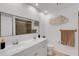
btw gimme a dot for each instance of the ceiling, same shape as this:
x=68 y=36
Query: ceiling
x=51 y=7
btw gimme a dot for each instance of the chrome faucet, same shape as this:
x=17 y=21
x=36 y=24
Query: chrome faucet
x=15 y=42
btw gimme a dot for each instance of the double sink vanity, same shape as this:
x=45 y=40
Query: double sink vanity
x=32 y=47
x=12 y=25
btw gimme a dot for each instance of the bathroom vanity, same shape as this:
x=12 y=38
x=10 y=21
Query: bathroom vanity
x=32 y=47
x=12 y=25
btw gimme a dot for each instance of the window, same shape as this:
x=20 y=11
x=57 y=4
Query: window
x=23 y=26
x=67 y=37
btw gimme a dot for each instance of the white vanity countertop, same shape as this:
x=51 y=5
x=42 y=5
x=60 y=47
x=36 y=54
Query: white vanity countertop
x=13 y=49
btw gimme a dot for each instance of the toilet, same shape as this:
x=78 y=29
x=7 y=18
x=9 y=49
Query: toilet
x=50 y=49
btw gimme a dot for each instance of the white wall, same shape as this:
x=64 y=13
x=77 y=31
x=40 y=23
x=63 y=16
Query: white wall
x=42 y=24
x=22 y=10
x=19 y=9
x=53 y=34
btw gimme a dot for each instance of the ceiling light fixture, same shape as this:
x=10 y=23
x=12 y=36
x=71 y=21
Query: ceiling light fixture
x=36 y=4
x=45 y=12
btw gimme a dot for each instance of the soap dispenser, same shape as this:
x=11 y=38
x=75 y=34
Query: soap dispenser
x=2 y=44
x=38 y=35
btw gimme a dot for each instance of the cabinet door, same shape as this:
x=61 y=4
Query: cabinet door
x=36 y=52
x=6 y=24
x=43 y=50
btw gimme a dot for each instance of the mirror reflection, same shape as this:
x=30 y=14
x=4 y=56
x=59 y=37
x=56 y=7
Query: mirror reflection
x=15 y=25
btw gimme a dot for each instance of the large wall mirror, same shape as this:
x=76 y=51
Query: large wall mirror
x=15 y=25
